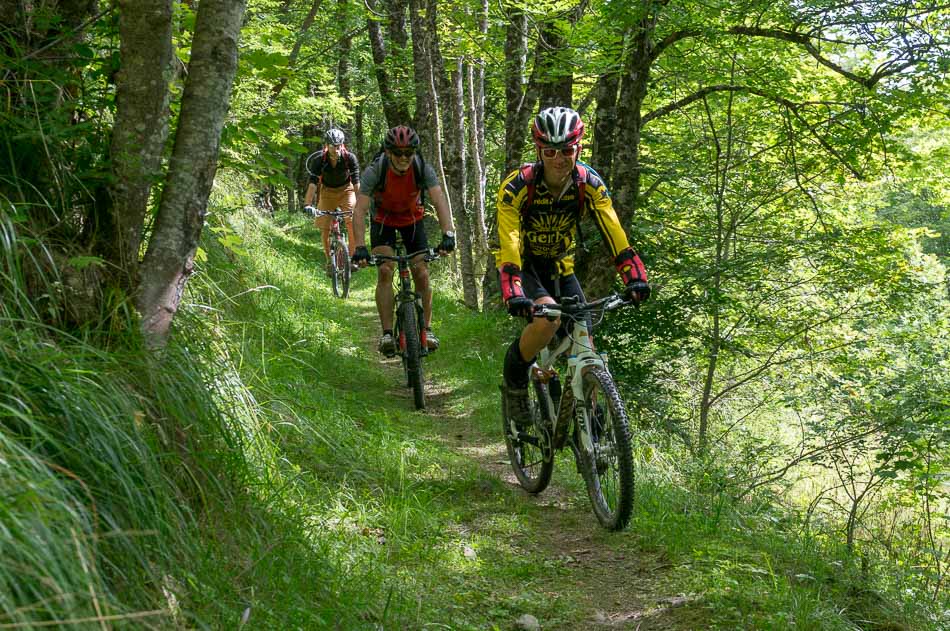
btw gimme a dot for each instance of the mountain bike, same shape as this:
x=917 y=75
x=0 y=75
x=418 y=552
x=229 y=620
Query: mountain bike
x=339 y=264
x=586 y=413
x=410 y=329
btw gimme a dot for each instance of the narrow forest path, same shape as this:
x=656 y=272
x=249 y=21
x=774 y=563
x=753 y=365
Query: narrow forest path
x=609 y=579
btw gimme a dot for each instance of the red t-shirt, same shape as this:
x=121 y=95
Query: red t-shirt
x=400 y=204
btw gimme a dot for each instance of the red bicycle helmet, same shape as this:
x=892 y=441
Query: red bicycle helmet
x=401 y=136
x=557 y=127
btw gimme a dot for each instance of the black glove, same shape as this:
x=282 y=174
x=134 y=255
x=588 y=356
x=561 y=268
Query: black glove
x=448 y=243
x=310 y=210
x=520 y=307
x=360 y=255
x=637 y=291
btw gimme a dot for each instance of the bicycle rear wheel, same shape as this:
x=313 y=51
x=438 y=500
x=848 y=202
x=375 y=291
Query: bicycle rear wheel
x=530 y=449
x=340 y=261
x=608 y=468
x=411 y=345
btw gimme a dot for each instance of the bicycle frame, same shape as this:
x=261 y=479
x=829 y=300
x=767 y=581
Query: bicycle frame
x=578 y=344
x=336 y=228
x=590 y=416
x=410 y=326
x=402 y=282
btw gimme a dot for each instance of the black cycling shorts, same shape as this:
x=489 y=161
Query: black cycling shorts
x=541 y=279
x=413 y=237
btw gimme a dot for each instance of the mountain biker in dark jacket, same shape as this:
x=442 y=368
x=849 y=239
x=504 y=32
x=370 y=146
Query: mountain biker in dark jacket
x=334 y=181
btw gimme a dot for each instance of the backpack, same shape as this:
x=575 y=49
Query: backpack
x=319 y=155
x=418 y=169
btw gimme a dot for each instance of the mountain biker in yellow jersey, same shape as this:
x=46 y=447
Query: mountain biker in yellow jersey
x=539 y=207
x=334 y=181
x=393 y=186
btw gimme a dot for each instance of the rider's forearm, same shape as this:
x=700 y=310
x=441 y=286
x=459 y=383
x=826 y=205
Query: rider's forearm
x=442 y=208
x=310 y=194
x=359 y=220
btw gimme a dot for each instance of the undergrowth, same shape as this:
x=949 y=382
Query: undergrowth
x=266 y=471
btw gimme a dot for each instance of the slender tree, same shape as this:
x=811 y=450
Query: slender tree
x=140 y=130
x=169 y=260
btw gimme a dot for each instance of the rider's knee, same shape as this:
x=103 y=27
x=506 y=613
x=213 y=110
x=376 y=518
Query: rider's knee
x=386 y=271
x=420 y=274
x=545 y=327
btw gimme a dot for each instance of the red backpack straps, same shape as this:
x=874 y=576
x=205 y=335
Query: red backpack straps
x=527 y=174
x=581 y=189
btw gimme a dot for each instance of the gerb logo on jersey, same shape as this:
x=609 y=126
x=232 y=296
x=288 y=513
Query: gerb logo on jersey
x=549 y=235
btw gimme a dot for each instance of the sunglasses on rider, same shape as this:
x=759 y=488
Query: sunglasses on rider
x=569 y=151
x=402 y=153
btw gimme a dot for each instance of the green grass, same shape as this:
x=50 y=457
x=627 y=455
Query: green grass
x=270 y=466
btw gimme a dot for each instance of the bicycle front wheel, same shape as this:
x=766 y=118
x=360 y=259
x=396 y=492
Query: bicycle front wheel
x=530 y=448
x=411 y=345
x=340 y=262
x=607 y=467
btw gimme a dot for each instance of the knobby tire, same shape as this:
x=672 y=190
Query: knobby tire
x=412 y=356
x=608 y=472
x=341 y=269
x=531 y=452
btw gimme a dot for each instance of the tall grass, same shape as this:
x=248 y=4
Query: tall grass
x=266 y=471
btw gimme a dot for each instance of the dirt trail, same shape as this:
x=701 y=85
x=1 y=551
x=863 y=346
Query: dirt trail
x=625 y=588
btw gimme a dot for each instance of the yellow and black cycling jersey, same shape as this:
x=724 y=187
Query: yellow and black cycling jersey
x=548 y=228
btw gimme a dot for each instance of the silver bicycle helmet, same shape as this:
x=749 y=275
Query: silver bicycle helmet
x=557 y=126
x=334 y=137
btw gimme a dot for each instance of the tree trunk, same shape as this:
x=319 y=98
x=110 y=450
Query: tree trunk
x=476 y=171
x=477 y=122
x=455 y=173
x=391 y=108
x=556 y=78
x=602 y=154
x=594 y=270
x=399 y=59
x=171 y=250
x=516 y=53
x=422 y=74
x=437 y=87
x=633 y=90
x=346 y=45
x=140 y=131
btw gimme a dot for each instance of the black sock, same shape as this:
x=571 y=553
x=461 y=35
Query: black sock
x=387 y=331
x=516 y=368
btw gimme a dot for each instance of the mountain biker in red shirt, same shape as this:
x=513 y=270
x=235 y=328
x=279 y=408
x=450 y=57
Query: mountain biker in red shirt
x=392 y=186
x=539 y=207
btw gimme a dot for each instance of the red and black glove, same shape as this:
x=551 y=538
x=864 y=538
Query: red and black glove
x=511 y=292
x=633 y=274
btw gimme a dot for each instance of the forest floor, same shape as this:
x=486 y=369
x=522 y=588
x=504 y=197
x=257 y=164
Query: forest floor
x=611 y=580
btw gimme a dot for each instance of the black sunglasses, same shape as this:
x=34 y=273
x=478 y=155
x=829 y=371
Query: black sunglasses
x=402 y=153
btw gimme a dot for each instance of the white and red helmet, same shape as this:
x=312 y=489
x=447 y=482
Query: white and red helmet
x=557 y=127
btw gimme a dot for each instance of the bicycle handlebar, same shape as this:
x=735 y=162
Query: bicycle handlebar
x=430 y=255
x=332 y=213
x=570 y=306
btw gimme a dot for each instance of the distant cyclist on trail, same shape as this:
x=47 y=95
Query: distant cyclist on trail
x=334 y=181
x=539 y=207
x=393 y=186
